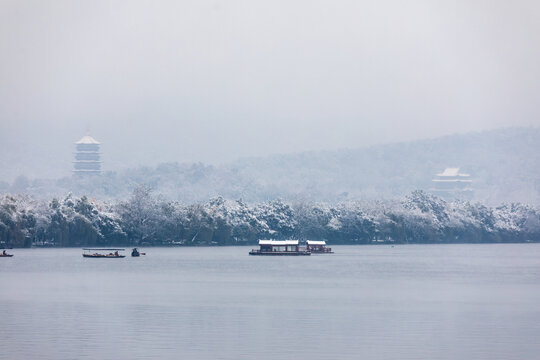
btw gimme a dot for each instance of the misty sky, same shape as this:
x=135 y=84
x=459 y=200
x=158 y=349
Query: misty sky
x=213 y=81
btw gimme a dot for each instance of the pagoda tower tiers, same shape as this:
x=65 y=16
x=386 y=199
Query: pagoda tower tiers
x=87 y=157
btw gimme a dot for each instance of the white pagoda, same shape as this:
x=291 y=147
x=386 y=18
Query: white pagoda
x=451 y=184
x=87 y=157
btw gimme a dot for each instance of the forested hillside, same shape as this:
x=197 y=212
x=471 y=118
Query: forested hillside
x=504 y=166
x=146 y=219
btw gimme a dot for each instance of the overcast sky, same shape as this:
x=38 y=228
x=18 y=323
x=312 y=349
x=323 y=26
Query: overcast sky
x=213 y=81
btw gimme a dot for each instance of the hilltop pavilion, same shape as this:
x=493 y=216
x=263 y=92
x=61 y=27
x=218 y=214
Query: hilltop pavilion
x=452 y=184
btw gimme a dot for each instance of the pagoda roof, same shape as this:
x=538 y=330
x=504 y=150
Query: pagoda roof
x=87 y=139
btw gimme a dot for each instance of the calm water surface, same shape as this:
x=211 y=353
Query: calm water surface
x=364 y=302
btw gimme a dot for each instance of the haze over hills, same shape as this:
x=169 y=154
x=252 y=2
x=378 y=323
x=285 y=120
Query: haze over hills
x=504 y=165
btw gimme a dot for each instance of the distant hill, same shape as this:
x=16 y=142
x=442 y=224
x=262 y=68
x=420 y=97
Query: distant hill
x=504 y=165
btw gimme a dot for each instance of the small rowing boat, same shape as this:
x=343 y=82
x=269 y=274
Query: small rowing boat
x=136 y=252
x=108 y=256
x=5 y=254
x=98 y=253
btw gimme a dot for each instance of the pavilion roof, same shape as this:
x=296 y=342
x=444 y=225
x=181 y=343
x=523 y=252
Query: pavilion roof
x=452 y=172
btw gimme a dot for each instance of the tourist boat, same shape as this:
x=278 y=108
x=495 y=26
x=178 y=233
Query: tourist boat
x=97 y=253
x=136 y=252
x=279 y=248
x=318 y=247
x=4 y=254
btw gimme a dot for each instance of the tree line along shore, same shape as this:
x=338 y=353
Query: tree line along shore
x=146 y=219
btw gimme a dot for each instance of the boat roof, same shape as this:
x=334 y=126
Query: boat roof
x=316 y=242
x=278 y=242
x=104 y=249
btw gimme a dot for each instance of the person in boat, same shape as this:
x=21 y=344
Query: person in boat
x=4 y=252
x=135 y=252
x=116 y=253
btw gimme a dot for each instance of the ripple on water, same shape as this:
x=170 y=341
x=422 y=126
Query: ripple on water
x=373 y=302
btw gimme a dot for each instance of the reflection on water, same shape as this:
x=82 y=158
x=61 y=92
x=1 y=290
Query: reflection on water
x=370 y=302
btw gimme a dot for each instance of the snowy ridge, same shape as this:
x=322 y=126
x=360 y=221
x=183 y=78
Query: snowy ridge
x=504 y=166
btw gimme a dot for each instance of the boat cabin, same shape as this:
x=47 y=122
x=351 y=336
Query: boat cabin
x=279 y=247
x=318 y=247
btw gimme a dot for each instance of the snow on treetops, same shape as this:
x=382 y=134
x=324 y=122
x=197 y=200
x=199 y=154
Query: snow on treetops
x=148 y=219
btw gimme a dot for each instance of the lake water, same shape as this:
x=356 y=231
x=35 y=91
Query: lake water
x=363 y=302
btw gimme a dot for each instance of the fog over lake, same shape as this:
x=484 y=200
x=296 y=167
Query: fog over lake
x=374 y=302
